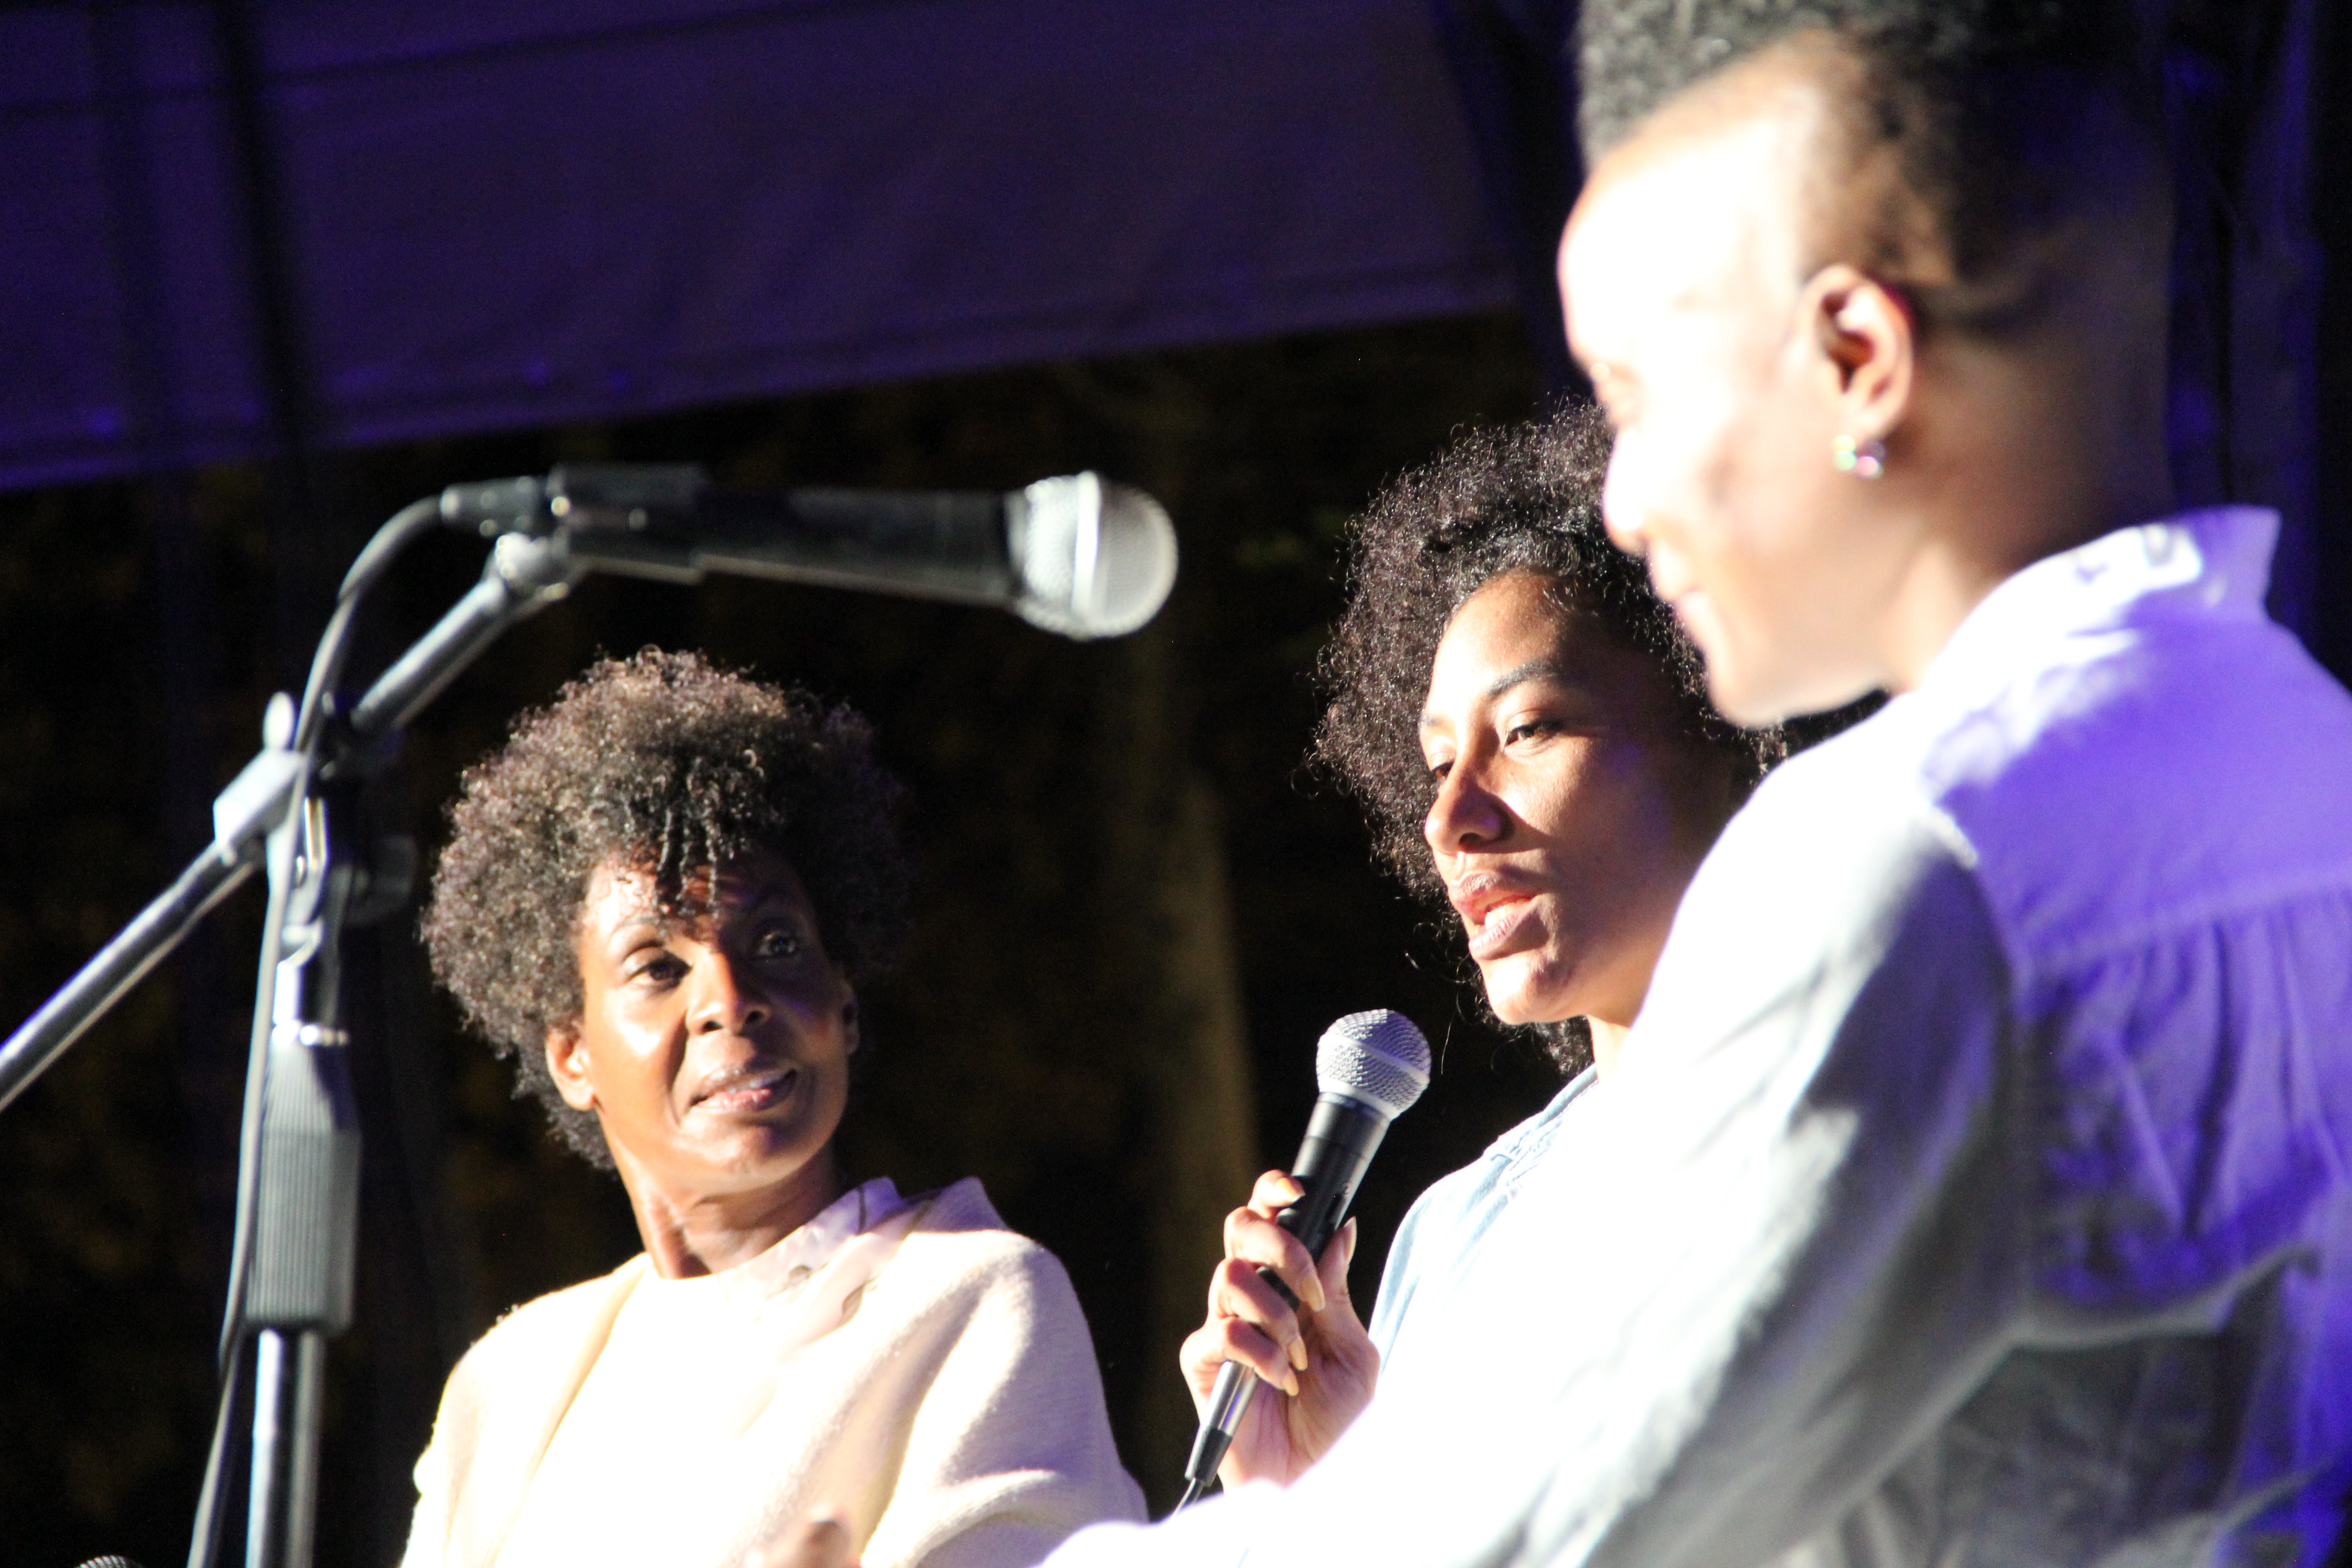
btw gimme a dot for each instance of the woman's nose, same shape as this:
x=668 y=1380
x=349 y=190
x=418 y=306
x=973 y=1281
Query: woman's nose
x=1621 y=509
x=1466 y=814
x=727 y=997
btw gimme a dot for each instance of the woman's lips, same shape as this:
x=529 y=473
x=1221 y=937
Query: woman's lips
x=748 y=1093
x=1503 y=927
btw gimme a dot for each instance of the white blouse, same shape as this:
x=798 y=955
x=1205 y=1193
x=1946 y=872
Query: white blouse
x=1974 y=1189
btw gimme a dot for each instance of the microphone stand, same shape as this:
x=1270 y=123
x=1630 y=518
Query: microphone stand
x=289 y=813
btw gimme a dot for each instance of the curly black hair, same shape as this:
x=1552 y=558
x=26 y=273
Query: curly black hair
x=2006 y=116
x=1525 y=498
x=665 y=763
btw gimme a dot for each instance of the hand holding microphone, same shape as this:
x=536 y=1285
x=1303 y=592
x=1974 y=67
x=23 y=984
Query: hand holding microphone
x=1320 y=1361
x=1287 y=1247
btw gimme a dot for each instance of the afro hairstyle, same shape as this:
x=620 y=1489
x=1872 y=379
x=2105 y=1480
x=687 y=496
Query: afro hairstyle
x=1522 y=499
x=663 y=764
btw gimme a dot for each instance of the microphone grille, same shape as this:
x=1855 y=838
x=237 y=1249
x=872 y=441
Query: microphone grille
x=1377 y=1057
x=1095 y=560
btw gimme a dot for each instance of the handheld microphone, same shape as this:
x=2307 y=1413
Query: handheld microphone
x=1074 y=555
x=1371 y=1067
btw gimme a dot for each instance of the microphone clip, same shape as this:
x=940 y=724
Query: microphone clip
x=621 y=499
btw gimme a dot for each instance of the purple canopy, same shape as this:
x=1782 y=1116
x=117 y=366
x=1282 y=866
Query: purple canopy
x=514 y=213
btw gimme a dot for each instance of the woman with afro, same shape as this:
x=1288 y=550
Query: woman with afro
x=657 y=902
x=1528 y=731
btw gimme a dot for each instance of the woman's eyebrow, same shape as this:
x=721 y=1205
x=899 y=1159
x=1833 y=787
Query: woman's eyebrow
x=1545 y=668
x=630 y=925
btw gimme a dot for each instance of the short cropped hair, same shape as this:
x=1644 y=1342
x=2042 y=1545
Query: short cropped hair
x=2005 y=115
x=666 y=765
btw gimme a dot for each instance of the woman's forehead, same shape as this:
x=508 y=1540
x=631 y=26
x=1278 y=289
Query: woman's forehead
x=622 y=890
x=1521 y=627
x=1512 y=618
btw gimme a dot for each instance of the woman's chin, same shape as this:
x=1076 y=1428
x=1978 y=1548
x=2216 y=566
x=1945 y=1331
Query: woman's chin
x=1528 y=988
x=738 y=1156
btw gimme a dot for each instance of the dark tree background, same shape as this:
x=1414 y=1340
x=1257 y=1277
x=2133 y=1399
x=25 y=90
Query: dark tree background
x=1136 y=908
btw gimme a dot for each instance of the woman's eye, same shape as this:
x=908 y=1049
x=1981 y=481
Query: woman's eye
x=661 y=968
x=1438 y=770
x=1531 y=729
x=777 y=943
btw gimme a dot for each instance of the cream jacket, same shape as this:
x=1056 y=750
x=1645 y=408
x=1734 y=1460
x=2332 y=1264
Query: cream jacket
x=914 y=1367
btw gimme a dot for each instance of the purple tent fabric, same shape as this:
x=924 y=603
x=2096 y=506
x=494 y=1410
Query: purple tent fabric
x=509 y=214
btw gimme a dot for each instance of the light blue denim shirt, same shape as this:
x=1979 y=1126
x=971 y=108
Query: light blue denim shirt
x=1974 y=1190
x=1445 y=1227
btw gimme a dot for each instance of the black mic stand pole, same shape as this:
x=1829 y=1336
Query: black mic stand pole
x=297 y=1194
x=523 y=574
x=289 y=811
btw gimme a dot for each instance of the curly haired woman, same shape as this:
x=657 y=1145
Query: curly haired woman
x=657 y=902
x=1530 y=733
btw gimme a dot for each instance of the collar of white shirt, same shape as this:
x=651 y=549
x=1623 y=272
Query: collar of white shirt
x=2199 y=565
x=789 y=1264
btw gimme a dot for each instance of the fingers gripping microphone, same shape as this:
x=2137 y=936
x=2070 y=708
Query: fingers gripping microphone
x=1073 y=555
x=1371 y=1067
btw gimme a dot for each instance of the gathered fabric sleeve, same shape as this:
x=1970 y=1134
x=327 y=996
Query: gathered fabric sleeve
x=1009 y=1449
x=1821 y=1243
x=1788 y=1244
x=1783 y=1245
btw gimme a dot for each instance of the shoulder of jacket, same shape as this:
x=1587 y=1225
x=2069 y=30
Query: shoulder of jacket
x=1852 y=803
x=549 y=1325
x=959 y=1238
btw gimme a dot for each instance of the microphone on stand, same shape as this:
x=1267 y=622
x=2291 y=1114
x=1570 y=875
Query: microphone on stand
x=1074 y=555
x=1372 y=1067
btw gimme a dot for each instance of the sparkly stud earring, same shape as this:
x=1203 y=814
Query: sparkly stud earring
x=1865 y=460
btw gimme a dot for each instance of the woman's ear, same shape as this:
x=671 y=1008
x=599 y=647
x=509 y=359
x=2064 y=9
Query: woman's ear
x=1864 y=333
x=567 y=1064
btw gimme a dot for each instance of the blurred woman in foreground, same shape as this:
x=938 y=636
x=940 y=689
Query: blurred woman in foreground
x=1528 y=731
x=657 y=901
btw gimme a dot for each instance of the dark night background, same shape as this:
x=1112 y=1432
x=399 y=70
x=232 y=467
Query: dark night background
x=1136 y=913
x=1136 y=908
